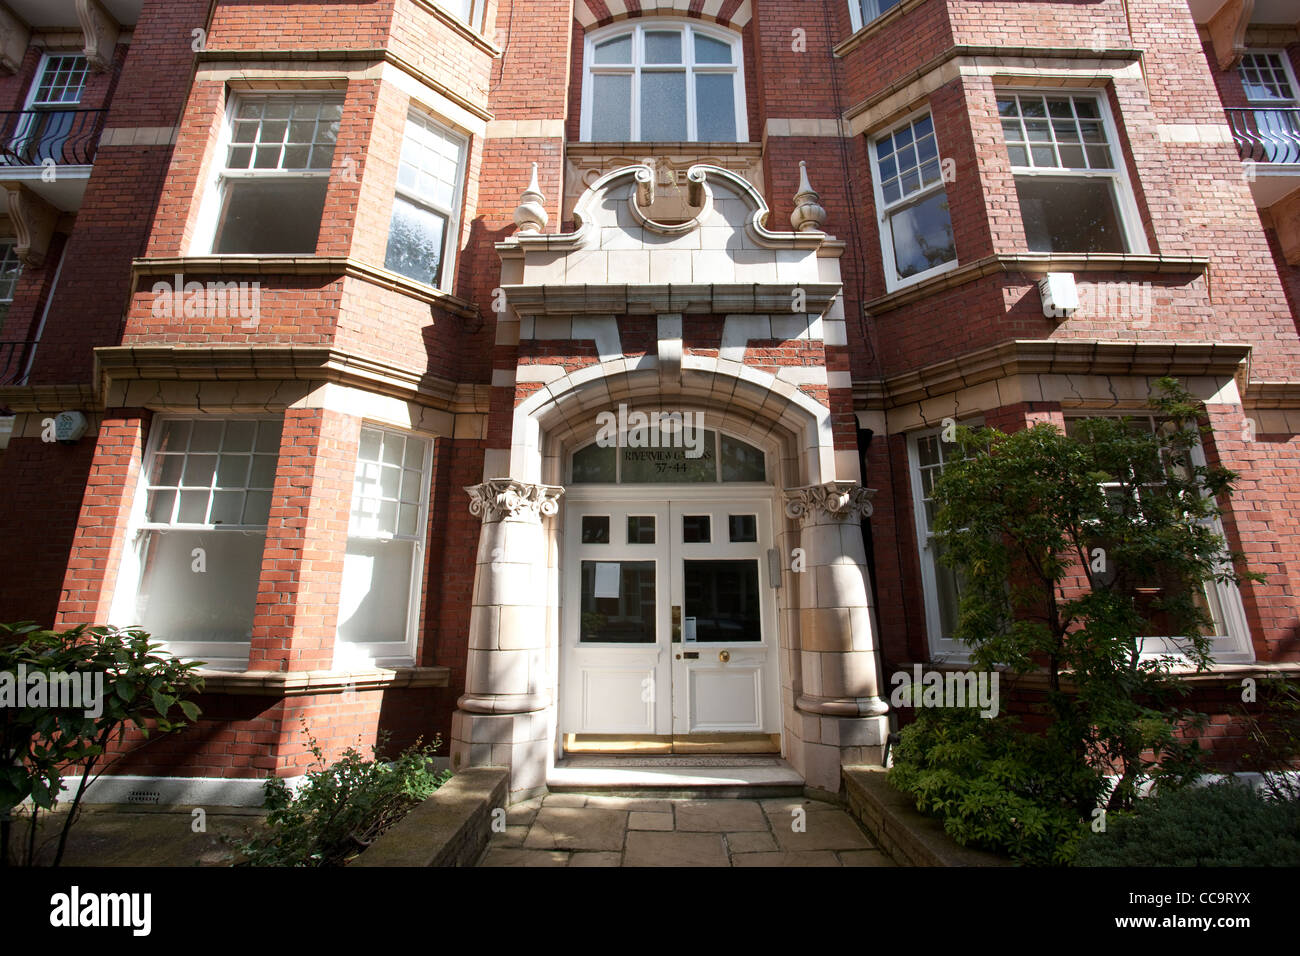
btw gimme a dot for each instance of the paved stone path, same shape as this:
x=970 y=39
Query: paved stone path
x=573 y=829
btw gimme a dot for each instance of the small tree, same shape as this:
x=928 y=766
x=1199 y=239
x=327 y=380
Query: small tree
x=1073 y=547
x=42 y=740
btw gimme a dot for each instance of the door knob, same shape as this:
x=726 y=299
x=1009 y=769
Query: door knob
x=724 y=656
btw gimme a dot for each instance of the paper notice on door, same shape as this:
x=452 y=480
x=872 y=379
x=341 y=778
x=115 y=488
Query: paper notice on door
x=688 y=630
x=607 y=579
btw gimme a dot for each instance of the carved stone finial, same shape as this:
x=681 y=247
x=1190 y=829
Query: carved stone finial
x=809 y=213
x=530 y=215
x=101 y=32
x=835 y=500
x=508 y=498
x=645 y=185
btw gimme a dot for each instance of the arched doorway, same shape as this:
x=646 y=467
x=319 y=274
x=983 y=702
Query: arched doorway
x=669 y=625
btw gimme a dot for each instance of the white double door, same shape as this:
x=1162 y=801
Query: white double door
x=669 y=616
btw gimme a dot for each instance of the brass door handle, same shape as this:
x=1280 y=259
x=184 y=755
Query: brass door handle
x=724 y=656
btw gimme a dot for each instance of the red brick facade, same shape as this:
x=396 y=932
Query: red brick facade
x=340 y=341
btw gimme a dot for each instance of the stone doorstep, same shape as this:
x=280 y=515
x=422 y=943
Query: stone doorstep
x=899 y=829
x=451 y=828
x=776 y=779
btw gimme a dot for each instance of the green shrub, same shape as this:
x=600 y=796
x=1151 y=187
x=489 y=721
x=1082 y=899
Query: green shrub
x=1226 y=824
x=997 y=788
x=341 y=807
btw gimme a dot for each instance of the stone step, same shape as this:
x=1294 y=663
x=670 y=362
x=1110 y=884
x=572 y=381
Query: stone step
x=679 y=777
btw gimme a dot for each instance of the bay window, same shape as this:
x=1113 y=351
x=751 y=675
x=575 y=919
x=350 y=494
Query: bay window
x=1074 y=193
x=269 y=193
x=663 y=81
x=915 y=223
x=379 y=600
x=191 y=571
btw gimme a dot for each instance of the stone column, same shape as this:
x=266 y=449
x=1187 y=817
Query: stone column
x=503 y=718
x=840 y=715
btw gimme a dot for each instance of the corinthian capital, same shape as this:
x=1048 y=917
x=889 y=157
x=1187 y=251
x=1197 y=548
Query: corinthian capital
x=835 y=500
x=507 y=498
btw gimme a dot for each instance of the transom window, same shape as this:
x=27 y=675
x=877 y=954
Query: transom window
x=664 y=459
x=663 y=81
x=276 y=166
x=426 y=211
x=862 y=12
x=915 y=223
x=1074 y=194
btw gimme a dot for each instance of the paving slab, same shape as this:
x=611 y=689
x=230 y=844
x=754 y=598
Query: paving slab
x=641 y=820
x=647 y=848
x=511 y=856
x=789 y=858
x=823 y=831
x=577 y=828
x=721 y=816
x=595 y=858
x=752 y=841
x=865 y=858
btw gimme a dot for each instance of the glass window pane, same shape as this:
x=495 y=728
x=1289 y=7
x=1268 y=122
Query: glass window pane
x=663 y=106
x=257 y=507
x=158 y=508
x=594 y=464
x=641 y=529
x=415 y=242
x=232 y=471
x=715 y=114
x=617 y=50
x=922 y=236
x=696 y=529
x=663 y=46
x=742 y=461
x=239 y=436
x=206 y=436
x=176 y=603
x=375 y=592
x=611 y=108
x=227 y=507
x=595 y=529
x=268 y=436
x=709 y=50
x=198 y=471
x=270 y=216
x=193 y=508
x=742 y=528
x=1070 y=215
x=618 y=602
x=722 y=601
x=690 y=459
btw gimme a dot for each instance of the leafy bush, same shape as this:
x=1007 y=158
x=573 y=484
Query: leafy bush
x=996 y=787
x=1226 y=824
x=119 y=677
x=342 y=807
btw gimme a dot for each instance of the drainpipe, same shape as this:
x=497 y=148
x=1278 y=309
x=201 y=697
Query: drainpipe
x=864 y=442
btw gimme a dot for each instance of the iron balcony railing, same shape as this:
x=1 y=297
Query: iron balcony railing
x=36 y=137
x=1266 y=135
x=14 y=357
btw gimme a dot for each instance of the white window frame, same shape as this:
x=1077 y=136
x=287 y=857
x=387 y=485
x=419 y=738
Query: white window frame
x=394 y=654
x=884 y=212
x=857 y=9
x=943 y=647
x=1285 y=62
x=10 y=265
x=451 y=240
x=1231 y=645
x=31 y=107
x=209 y=219
x=1125 y=202
x=638 y=28
x=476 y=17
x=229 y=655
x=1284 y=125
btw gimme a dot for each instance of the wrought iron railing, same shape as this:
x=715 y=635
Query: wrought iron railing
x=14 y=357
x=1266 y=135
x=35 y=137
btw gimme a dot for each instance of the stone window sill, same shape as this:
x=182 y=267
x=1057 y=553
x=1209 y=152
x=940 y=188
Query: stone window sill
x=304 y=683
